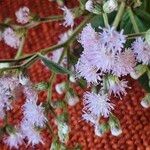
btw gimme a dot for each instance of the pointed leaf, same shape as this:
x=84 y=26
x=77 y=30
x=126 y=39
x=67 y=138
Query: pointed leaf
x=54 y=66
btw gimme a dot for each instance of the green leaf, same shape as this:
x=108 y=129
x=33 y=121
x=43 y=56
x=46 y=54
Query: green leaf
x=141 y=24
x=143 y=14
x=126 y=24
x=54 y=66
x=97 y=22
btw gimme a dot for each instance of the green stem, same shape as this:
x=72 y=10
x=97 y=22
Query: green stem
x=44 y=51
x=105 y=17
x=52 y=79
x=134 y=35
x=119 y=14
x=132 y=18
x=19 y=52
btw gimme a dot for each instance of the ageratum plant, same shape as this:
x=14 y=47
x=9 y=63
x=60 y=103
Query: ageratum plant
x=113 y=41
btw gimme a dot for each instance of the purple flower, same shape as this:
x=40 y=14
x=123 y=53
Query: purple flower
x=97 y=104
x=112 y=39
x=142 y=50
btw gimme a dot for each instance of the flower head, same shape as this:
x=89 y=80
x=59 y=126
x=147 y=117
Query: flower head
x=11 y=38
x=23 y=15
x=97 y=104
x=89 y=38
x=142 y=50
x=124 y=64
x=30 y=109
x=115 y=86
x=112 y=39
x=31 y=133
x=68 y=17
x=85 y=69
x=14 y=140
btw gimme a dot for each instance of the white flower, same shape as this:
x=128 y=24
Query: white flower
x=68 y=17
x=97 y=104
x=11 y=38
x=34 y=113
x=31 y=133
x=112 y=39
x=142 y=50
x=116 y=131
x=23 y=15
x=89 y=5
x=14 y=140
x=60 y=88
x=85 y=69
x=125 y=63
x=110 y=6
x=90 y=118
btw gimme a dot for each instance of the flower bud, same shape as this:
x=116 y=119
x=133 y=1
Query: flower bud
x=138 y=71
x=146 y=101
x=60 y=88
x=110 y=6
x=116 y=131
x=72 y=79
x=4 y=65
x=89 y=5
x=72 y=99
x=114 y=126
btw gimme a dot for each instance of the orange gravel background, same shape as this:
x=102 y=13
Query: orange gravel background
x=135 y=120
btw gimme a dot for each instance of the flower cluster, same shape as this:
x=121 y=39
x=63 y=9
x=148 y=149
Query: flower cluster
x=107 y=45
x=33 y=114
x=103 y=60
